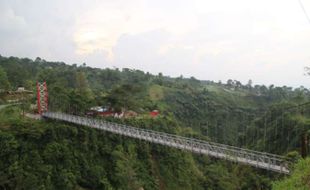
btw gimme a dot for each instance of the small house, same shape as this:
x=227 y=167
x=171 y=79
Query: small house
x=154 y=113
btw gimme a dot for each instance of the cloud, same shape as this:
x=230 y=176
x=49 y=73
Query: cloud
x=267 y=41
x=10 y=21
x=100 y=28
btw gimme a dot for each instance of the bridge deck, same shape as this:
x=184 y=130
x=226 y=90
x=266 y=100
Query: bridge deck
x=262 y=160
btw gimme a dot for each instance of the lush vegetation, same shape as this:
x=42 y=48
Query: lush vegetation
x=51 y=155
x=299 y=180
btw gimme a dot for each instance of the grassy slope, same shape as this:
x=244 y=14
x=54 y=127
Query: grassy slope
x=219 y=94
x=226 y=96
x=299 y=179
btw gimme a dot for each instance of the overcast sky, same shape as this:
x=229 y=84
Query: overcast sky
x=267 y=41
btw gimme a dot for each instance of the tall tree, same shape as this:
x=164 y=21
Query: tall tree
x=82 y=85
x=4 y=82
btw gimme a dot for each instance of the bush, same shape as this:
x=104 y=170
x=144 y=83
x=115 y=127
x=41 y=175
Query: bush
x=299 y=180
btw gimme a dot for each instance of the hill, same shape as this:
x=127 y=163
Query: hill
x=58 y=156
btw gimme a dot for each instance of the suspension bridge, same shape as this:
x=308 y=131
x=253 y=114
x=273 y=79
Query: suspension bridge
x=263 y=160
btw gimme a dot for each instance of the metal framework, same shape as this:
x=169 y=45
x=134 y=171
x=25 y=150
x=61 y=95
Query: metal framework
x=257 y=159
x=42 y=97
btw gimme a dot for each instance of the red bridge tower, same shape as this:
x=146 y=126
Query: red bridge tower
x=42 y=97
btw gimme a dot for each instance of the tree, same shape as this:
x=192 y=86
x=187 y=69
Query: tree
x=82 y=85
x=194 y=82
x=38 y=59
x=238 y=84
x=125 y=172
x=159 y=79
x=299 y=180
x=123 y=97
x=4 y=82
x=230 y=83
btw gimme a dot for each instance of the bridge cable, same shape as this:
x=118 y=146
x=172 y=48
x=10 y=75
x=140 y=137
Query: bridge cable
x=265 y=126
x=304 y=10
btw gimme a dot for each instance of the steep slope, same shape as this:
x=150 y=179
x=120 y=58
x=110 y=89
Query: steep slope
x=52 y=155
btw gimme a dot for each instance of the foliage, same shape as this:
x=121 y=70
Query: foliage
x=40 y=155
x=298 y=180
x=4 y=82
x=51 y=155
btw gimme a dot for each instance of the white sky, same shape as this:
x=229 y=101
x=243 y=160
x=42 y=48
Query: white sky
x=267 y=41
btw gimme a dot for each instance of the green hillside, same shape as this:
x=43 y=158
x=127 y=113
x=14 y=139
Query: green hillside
x=54 y=155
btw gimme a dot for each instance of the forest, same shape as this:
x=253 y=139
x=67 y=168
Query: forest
x=55 y=155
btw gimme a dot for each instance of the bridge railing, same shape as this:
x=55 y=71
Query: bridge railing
x=255 y=158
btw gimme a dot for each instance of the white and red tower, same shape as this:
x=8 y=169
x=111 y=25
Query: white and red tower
x=42 y=97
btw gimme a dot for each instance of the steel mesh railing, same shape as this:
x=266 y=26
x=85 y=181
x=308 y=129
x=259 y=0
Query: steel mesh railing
x=262 y=160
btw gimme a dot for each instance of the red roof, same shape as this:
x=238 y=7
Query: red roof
x=106 y=113
x=154 y=113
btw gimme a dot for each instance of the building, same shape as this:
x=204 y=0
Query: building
x=154 y=113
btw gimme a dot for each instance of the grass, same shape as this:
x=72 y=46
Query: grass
x=299 y=180
x=156 y=92
x=226 y=96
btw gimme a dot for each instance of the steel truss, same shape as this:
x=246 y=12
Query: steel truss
x=257 y=159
